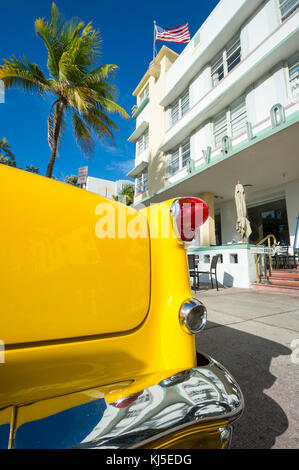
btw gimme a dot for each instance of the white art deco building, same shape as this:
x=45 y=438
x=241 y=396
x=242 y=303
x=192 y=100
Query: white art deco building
x=226 y=109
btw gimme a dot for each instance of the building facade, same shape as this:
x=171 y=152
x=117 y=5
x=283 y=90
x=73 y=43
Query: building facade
x=106 y=188
x=226 y=110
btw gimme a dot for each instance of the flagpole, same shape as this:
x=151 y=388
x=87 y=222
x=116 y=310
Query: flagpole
x=154 y=48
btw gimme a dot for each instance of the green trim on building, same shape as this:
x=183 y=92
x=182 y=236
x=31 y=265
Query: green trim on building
x=141 y=107
x=264 y=134
x=196 y=39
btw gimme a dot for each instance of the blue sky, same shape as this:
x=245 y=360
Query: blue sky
x=127 y=32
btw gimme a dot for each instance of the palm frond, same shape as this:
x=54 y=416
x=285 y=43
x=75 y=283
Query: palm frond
x=44 y=30
x=100 y=123
x=112 y=107
x=68 y=72
x=101 y=73
x=85 y=49
x=5 y=147
x=82 y=98
x=82 y=135
x=24 y=74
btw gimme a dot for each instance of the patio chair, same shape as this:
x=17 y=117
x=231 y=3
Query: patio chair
x=212 y=272
x=193 y=272
x=283 y=259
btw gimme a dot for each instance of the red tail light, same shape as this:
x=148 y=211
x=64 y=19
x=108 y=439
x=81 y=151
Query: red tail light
x=189 y=214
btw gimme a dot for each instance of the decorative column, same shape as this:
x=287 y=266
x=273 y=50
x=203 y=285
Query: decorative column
x=207 y=231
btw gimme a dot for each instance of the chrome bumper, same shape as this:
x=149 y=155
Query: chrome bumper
x=202 y=398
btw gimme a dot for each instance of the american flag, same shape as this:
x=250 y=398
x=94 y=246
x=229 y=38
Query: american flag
x=180 y=34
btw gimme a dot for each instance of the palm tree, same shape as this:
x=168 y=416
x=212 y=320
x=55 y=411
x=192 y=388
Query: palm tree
x=126 y=194
x=71 y=179
x=32 y=169
x=81 y=88
x=6 y=156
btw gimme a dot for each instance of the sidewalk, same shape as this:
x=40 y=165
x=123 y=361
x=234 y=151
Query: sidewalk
x=250 y=332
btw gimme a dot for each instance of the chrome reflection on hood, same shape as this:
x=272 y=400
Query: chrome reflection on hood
x=192 y=397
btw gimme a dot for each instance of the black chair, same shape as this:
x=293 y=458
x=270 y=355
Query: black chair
x=213 y=271
x=193 y=272
x=282 y=259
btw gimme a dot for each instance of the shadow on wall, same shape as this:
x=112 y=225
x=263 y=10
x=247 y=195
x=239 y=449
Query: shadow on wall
x=157 y=172
x=248 y=358
x=205 y=280
x=228 y=280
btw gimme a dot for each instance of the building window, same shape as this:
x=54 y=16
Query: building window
x=220 y=128
x=141 y=184
x=179 y=159
x=179 y=107
x=174 y=162
x=238 y=117
x=184 y=103
x=144 y=95
x=287 y=7
x=293 y=66
x=143 y=142
x=233 y=53
x=217 y=69
x=185 y=150
x=226 y=60
x=231 y=122
x=175 y=112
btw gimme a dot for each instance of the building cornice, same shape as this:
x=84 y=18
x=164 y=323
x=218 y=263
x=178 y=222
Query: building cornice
x=164 y=52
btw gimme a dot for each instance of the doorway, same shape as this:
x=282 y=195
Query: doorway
x=269 y=219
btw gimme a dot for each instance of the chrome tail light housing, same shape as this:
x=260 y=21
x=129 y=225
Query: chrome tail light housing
x=193 y=316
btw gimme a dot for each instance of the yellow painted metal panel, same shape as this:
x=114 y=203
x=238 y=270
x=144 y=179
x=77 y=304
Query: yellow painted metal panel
x=58 y=279
x=154 y=350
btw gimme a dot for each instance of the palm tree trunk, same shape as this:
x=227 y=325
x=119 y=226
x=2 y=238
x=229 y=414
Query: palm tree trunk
x=61 y=107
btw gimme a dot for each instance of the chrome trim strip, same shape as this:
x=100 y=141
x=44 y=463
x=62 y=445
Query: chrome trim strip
x=204 y=394
x=191 y=307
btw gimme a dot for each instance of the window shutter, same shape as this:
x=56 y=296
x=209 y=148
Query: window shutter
x=146 y=139
x=175 y=112
x=145 y=181
x=220 y=128
x=287 y=7
x=140 y=145
x=233 y=53
x=138 y=184
x=217 y=69
x=294 y=75
x=185 y=103
x=238 y=116
x=175 y=161
x=185 y=154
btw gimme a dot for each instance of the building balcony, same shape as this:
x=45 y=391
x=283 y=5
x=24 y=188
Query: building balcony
x=279 y=46
x=137 y=111
x=138 y=132
x=223 y=23
x=141 y=164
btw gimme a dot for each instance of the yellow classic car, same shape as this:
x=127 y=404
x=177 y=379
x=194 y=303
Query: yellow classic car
x=98 y=324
